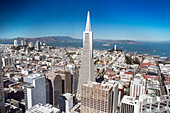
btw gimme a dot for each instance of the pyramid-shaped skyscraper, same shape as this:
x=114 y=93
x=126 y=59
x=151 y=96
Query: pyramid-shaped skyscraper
x=87 y=64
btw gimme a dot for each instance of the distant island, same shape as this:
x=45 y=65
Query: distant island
x=50 y=39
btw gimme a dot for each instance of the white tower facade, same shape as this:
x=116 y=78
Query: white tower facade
x=38 y=45
x=115 y=47
x=87 y=64
x=15 y=43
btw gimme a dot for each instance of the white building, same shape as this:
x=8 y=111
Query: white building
x=137 y=87
x=38 y=45
x=115 y=85
x=35 y=89
x=15 y=43
x=87 y=72
x=66 y=102
x=39 y=108
x=129 y=105
x=7 y=61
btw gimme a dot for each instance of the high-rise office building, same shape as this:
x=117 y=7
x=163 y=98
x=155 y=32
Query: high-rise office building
x=98 y=97
x=38 y=45
x=58 y=83
x=74 y=76
x=15 y=43
x=54 y=87
x=87 y=65
x=34 y=89
x=2 y=104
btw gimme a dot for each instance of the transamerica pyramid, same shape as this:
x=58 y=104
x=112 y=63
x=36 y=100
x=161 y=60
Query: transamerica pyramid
x=87 y=64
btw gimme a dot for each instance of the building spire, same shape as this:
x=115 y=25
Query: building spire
x=88 y=26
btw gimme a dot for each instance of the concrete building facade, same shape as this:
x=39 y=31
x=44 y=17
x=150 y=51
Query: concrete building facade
x=2 y=104
x=34 y=89
x=7 y=62
x=54 y=88
x=129 y=105
x=66 y=102
x=58 y=83
x=137 y=87
x=96 y=97
x=74 y=76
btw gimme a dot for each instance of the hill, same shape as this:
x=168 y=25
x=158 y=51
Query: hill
x=49 y=39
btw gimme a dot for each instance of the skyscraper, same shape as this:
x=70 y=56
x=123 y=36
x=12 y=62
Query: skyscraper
x=72 y=68
x=2 y=106
x=87 y=64
x=38 y=45
x=35 y=89
x=58 y=83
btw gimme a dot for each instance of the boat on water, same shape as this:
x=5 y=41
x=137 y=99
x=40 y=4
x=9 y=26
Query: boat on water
x=107 y=45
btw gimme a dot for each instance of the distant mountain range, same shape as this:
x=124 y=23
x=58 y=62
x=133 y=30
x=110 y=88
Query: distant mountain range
x=50 y=39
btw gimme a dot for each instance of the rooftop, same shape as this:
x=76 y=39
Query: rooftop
x=34 y=75
x=39 y=108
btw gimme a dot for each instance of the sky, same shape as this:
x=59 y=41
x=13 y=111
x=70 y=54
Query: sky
x=147 y=20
